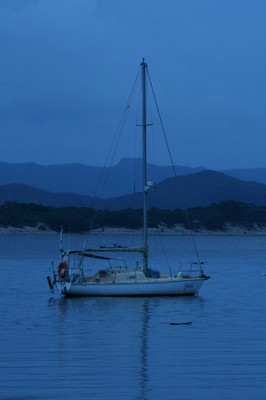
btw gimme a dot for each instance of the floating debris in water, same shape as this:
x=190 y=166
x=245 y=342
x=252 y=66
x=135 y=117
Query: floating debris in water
x=181 y=323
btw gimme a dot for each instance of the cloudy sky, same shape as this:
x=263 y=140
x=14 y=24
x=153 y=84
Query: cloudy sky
x=67 y=68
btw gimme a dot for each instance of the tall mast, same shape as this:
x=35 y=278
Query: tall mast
x=144 y=66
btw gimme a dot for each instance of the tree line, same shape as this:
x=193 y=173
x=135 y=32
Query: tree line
x=215 y=217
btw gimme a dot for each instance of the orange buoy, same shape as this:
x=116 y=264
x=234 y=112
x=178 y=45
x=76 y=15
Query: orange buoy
x=62 y=269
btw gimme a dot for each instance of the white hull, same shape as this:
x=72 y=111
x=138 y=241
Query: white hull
x=158 y=287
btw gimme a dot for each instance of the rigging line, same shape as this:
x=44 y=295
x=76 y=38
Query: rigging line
x=161 y=122
x=125 y=114
x=111 y=153
x=153 y=141
x=123 y=120
x=113 y=148
x=172 y=164
x=138 y=143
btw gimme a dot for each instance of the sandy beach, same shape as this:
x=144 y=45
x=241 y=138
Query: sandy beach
x=178 y=230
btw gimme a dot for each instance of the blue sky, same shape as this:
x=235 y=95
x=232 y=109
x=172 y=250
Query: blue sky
x=67 y=68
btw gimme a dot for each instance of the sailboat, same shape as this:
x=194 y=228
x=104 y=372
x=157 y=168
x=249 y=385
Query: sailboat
x=72 y=278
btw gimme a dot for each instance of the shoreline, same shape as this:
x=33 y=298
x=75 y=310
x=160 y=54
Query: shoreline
x=177 y=231
x=232 y=231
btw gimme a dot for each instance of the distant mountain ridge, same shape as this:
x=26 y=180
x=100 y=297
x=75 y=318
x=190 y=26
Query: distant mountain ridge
x=247 y=174
x=198 y=189
x=84 y=179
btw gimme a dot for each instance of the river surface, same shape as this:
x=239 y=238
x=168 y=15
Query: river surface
x=135 y=348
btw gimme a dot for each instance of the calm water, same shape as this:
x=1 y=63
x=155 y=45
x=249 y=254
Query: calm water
x=108 y=348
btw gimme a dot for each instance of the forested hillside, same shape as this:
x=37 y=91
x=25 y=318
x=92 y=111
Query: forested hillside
x=216 y=217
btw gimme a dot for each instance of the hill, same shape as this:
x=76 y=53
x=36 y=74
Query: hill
x=85 y=179
x=28 y=194
x=199 y=189
x=248 y=174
